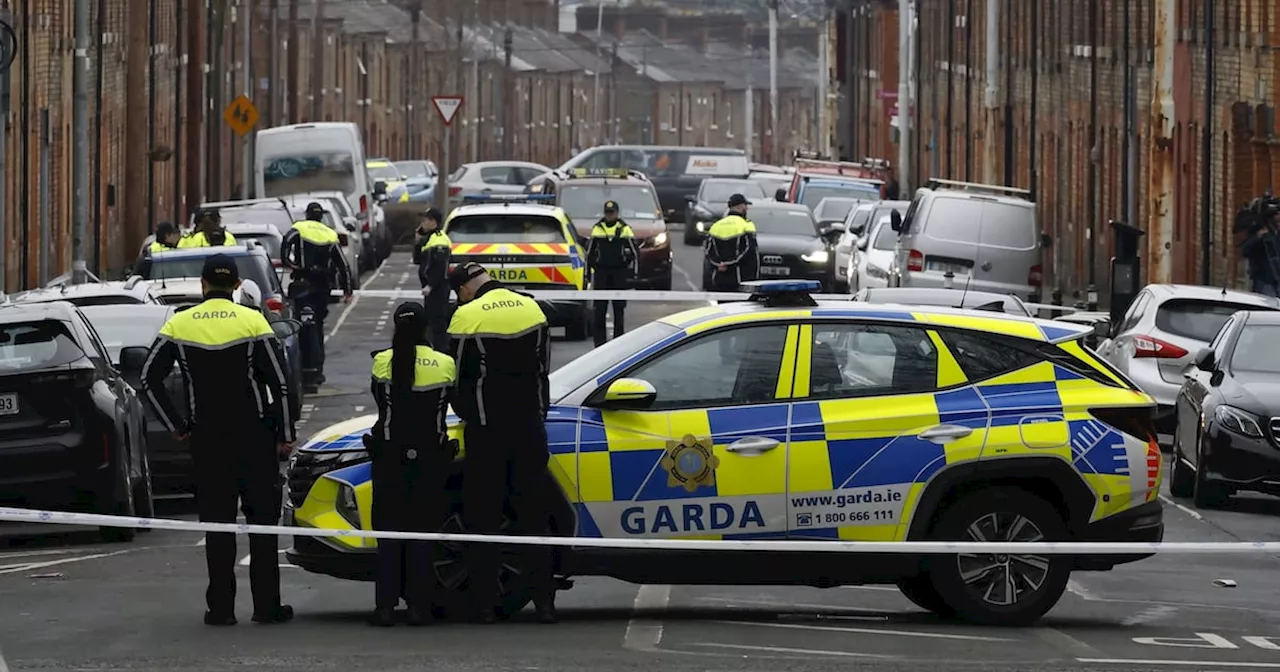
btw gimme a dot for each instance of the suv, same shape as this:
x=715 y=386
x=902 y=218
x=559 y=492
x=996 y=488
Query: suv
x=176 y=274
x=71 y=427
x=986 y=237
x=581 y=193
x=135 y=290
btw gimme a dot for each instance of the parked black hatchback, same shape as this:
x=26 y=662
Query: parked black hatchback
x=70 y=426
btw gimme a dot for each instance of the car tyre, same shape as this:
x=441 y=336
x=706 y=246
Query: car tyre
x=143 y=495
x=453 y=582
x=1182 y=478
x=122 y=503
x=1205 y=493
x=920 y=590
x=1000 y=514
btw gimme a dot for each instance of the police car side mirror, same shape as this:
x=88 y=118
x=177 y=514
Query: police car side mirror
x=631 y=394
x=895 y=221
x=286 y=328
x=691 y=198
x=132 y=359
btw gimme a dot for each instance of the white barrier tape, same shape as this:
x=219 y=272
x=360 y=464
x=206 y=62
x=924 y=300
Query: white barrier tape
x=905 y=547
x=656 y=296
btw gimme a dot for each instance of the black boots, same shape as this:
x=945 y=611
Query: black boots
x=282 y=613
x=385 y=618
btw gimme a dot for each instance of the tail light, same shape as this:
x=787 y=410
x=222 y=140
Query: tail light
x=343 y=240
x=365 y=228
x=276 y=263
x=1146 y=346
x=454 y=191
x=1139 y=423
x=275 y=305
x=364 y=204
x=915 y=260
x=81 y=379
x=1035 y=276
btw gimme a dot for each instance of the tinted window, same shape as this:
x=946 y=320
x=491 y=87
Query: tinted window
x=457 y=174
x=814 y=193
x=834 y=210
x=772 y=183
x=384 y=171
x=123 y=329
x=1256 y=349
x=301 y=172
x=719 y=191
x=784 y=222
x=34 y=345
x=981 y=358
x=858 y=360
x=739 y=366
x=972 y=221
x=270 y=243
x=583 y=201
x=277 y=216
x=1190 y=318
x=505 y=229
x=886 y=237
x=859 y=222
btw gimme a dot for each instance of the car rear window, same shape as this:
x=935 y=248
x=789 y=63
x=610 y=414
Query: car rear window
x=505 y=229
x=104 y=300
x=277 y=216
x=36 y=345
x=987 y=222
x=124 y=329
x=270 y=243
x=251 y=267
x=1191 y=318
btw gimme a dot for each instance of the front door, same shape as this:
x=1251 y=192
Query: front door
x=709 y=458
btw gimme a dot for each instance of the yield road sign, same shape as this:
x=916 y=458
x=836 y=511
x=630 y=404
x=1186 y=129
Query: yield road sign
x=447 y=107
x=241 y=115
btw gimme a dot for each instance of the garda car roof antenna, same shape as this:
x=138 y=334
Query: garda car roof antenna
x=964 y=292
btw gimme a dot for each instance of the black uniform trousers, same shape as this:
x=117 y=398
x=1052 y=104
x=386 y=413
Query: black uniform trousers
x=436 y=306
x=237 y=463
x=314 y=294
x=609 y=278
x=408 y=496
x=507 y=460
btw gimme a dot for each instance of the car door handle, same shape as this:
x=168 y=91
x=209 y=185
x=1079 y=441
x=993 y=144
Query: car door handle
x=752 y=444
x=945 y=433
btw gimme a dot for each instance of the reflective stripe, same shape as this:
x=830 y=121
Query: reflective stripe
x=284 y=402
x=315 y=232
x=151 y=394
x=617 y=230
x=216 y=324
x=437 y=238
x=480 y=382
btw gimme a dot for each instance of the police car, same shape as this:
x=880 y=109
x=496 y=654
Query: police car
x=782 y=418
x=526 y=242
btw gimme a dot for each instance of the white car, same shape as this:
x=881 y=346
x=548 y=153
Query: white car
x=856 y=223
x=868 y=267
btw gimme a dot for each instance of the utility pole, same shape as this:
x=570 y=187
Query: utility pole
x=905 y=95
x=6 y=17
x=613 y=96
x=293 y=108
x=824 y=80
x=317 y=62
x=246 y=153
x=415 y=75
x=1206 y=149
x=137 y=144
x=1162 y=111
x=273 y=93
x=1092 y=239
x=773 y=80
x=596 y=100
x=991 y=94
x=1010 y=137
x=196 y=17
x=508 y=97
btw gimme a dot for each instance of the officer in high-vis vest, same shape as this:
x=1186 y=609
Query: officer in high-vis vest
x=730 y=243
x=432 y=251
x=412 y=455
x=209 y=231
x=239 y=428
x=313 y=253
x=502 y=344
x=612 y=256
x=167 y=237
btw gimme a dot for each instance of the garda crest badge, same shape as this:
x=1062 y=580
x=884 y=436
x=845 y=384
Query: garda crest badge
x=690 y=463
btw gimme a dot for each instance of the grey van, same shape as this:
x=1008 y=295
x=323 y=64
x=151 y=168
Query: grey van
x=985 y=236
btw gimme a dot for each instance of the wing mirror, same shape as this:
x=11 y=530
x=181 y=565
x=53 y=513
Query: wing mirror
x=380 y=188
x=691 y=198
x=350 y=223
x=895 y=221
x=780 y=195
x=1101 y=330
x=860 y=242
x=132 y=359
x=286 y=328
x=1204 y=360
x=632 y=394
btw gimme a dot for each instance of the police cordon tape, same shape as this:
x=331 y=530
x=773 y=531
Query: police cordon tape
x=36 y=516
x=645 y=295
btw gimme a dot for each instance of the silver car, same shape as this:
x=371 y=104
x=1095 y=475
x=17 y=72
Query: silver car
x=856 y=228
x=872 y=257
x=1159 y=336
x=484 y=178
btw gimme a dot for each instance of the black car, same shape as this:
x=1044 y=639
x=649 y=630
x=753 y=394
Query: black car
x=711 y=201
x=791 y=245
x=1227 y=433
x=71 y=426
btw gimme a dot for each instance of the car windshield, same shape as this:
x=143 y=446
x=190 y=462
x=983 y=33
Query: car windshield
x=411 y=170
x=505 y=229
x=301 y=173
x=277 y=217
x=788 y=222
x=719 y=191
x=121 y=329
x=596 y=362
x=269 y=243
x=886 y=238
x=586 y=201
x=383 y=171
x=36 y=345
x=1191 y=318
x=813 y=194
x=103 y=300
x=834 y=209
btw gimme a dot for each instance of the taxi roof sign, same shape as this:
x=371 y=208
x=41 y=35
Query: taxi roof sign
x=783 y=292
x=600 y=172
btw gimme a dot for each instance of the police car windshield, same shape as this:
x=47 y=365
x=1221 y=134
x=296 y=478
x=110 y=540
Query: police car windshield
x=586 y=201
x=495 y=228
x=384 y=171
x=814 y=193
x=719 y=191
x=783 y=221
x=596 y=362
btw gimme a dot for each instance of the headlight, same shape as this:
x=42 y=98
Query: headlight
x=816 y=257
x=347 y=506
x=658 y=240
x=1238 y=421
x=702 y=226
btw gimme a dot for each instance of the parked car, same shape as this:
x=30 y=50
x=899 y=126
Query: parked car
x=790 y=245
x=419 y=180
x=871 y=259
x=945 y=298
x=710 y=202
x=855 y=238
x=71 y=426
x=833 y=210
x=375 y=237
x=485 y=178
x=814 y=189
x=1163 y=329
x=674 y=171
x=771 y=182
x=1099 y=321
x=176 y=275
x=135 y=290
x=267 y=235
x=1227 y=413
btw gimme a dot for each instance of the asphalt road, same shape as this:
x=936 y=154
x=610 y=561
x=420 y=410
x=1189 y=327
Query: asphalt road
x=69 y=602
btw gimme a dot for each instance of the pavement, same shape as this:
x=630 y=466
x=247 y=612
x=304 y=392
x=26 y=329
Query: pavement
x=69 y=602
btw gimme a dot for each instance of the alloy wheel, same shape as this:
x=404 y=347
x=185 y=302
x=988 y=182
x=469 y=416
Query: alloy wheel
x=1003 y=579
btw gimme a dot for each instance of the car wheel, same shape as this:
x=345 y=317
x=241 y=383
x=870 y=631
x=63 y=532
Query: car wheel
x=1000 y=589
x=920 y=590
x=143 y=496
x=121 y=504
x=1205 y=493
x=454 y=581
x=1181 y=477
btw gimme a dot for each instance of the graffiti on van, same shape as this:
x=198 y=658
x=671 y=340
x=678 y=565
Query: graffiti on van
x=303 y=173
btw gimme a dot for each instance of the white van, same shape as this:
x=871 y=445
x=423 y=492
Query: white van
x=323 y=156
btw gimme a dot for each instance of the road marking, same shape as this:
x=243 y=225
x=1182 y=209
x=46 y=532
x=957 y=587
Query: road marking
x=1179 y=663
x=879 y=614
x=350 y=306
x=780 y=649
x=245 y=561
x=1061 y=640
x=1187 y=510
x=51 y=551
x=645 y=633
x=64 y=561
x=1145 y=616
x=689 y=281
x=1080 y=591
x=870 y=631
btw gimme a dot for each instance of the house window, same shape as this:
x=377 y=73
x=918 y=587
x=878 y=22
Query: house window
x=671 y=113
x=688 y=110
x=715 y=110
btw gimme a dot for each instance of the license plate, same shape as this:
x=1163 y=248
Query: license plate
x=774 y=270
x=941 y=267
x=8 y=404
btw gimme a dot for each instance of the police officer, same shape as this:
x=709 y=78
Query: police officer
x=411 y=455
x=431 y=252
x=232 y=365
x=209 y=231
x=311 y=250
x=167 y=238
x=501 y=341
x=612 y=256
x=729 y=245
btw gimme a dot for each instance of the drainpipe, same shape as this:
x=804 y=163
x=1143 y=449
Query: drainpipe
x=1160 y=150
x=1206 y=150
x=991 y=95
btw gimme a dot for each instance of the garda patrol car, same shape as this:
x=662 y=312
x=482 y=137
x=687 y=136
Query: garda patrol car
x=526 y=242
x=784 y=419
